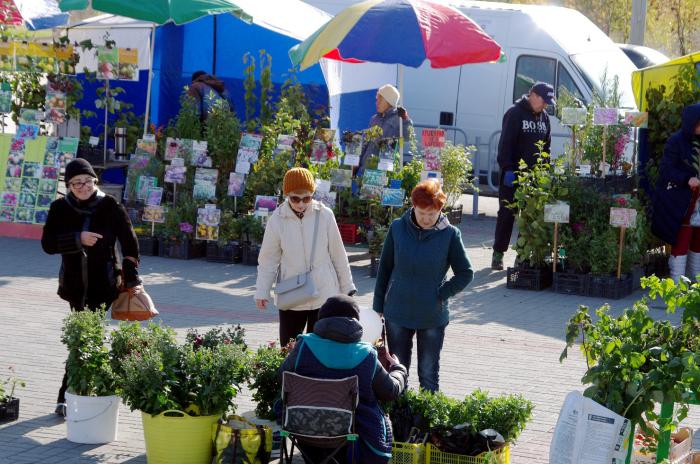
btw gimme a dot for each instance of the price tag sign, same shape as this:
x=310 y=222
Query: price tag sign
x=433 y=138
x=93 y=141
x=584 y=170
x=557 y=212
x=623 y=217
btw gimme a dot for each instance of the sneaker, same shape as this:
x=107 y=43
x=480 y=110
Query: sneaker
x=497 y=261
x=60 y=409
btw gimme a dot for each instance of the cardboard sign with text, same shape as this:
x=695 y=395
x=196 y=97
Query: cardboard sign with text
x=623 y=217
x=433 y=138
x=557 y=212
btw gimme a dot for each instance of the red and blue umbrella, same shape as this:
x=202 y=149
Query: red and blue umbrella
x=405 y=32
x=34 y=14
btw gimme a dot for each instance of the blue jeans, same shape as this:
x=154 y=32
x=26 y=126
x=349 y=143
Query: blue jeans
x=400 y=340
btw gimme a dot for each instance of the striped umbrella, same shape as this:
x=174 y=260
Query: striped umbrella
x=405 y=32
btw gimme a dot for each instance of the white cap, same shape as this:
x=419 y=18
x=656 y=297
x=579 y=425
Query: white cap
x=390 y=94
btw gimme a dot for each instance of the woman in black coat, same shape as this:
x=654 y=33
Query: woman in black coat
x=83 y=228
x=676 y=194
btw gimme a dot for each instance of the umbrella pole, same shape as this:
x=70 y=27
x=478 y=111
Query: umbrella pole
x=400 y=119
x=150 y=78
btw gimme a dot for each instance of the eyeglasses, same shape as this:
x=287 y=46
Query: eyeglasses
x=79 y=185
x=296 y=199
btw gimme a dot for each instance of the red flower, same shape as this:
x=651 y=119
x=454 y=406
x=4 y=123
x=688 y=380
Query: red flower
x=622 y=202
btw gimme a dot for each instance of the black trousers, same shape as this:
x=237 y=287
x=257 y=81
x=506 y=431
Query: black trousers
x=75 y=306
x=315 y=455
x=292 y=323
x=506 y=218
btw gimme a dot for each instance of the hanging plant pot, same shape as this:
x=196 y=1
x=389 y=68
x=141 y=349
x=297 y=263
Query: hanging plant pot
x=9 y=410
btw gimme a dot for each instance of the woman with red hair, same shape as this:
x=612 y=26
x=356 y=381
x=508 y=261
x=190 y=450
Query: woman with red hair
x=412 y=290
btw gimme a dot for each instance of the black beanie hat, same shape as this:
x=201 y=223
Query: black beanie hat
x=339 y=306
x=77 y=167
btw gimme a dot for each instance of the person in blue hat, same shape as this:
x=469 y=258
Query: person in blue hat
x=524 y=124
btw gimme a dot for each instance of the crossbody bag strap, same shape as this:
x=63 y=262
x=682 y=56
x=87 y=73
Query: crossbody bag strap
x=313 y=240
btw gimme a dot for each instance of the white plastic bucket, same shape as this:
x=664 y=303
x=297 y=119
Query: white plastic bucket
x=91 y=419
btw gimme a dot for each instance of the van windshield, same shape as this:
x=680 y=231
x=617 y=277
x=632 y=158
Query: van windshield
x=593 y=65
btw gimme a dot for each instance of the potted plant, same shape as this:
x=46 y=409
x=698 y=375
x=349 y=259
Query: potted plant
x=178 y=232
x=9 y=404
x=182 y=390
x=227 y=249
x=376 y=244
x=538 y=185
x=92 y=406
x=264 y=378
x=456 y=169
x=635 y=361
x=452 y=427
x=252 y=232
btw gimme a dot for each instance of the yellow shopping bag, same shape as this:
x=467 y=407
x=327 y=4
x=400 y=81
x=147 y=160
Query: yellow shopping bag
x=238 y=441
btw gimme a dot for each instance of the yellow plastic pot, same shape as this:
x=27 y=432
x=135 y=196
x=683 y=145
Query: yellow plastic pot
x=175 y=437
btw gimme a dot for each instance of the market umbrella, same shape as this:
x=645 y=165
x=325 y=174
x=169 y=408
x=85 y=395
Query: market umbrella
x=403 y=32
x=159 y=12
x=34 y=14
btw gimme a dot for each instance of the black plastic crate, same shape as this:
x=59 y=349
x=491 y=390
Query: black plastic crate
x=250 y=254
x=181 y=249
x=224 y=253
x=148 y=246
x=9 y=411
x=570 y=283
x=373 y=266
x=609 y=286
x=526 y=278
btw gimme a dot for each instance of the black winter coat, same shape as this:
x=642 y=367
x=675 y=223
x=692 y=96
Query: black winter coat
x=672 y=195
x=522 y=128
x=88 y=275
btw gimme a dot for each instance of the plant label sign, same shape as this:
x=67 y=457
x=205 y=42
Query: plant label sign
x=623 y=217
x=605 y=116
x=637 y=119
x=574 y=116
x=584 y=170
x=557 y=212
x=433 y=138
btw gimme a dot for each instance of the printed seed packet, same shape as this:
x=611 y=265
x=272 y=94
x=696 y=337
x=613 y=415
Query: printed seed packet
x=13 y=184
x=31 y=169
x=29 y=116
x=393 y=197
x=353 y=150
x=171 y=148
x=7 y=214
x=153 y=213
x=49 y=172
x=431 y=159
x=605 y=116
x=250 y=140
x=30 y=184
x=242 y=167
x=200 y=157
x=47 y=186
x=107 y=62
x=341 y=178
x=146 y=147
x=326 y=135
x=44 y=201
x=175 y=174
x=574 y=116
x=265 y=202
x=128 y=68
x=236 y=184
x=205 y=184
x=15 y=160
x=285 y=143
x=40 y=215
x=24 y=215
x=154 y=196
x=374 y=177
x=27 y=199
x=637 y=119
x=144 y=183
x=323 y=185
x=319 y=152
x=371 y=192
x=5 y=101
x=327 y=198
x=9 y=199
x=55 y=107
x=248 y=155
x=27 y=131
x=208 y=220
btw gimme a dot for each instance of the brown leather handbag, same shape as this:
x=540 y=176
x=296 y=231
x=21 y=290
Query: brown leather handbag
x=383 y=353
x=133 y=305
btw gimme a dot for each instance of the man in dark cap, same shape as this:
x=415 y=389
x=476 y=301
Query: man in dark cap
x=207 y=92
x=524 y=124
x=335 y=351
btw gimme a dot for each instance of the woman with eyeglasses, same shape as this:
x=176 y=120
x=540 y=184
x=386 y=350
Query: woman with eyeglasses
x=288 y=246
x=83 y=228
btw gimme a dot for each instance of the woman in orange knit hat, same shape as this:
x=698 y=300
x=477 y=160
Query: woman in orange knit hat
x=289 y=249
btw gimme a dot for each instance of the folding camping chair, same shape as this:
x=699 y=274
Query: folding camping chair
x=320 y=413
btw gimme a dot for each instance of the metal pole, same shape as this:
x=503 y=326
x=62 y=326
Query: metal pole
x=638 y=22
x=401 y=119
x=150 y=80
x=106 y=105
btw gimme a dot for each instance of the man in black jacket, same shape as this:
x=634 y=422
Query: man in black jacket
x=524 y=124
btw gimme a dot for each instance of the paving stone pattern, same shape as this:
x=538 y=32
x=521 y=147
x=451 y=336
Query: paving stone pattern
x=505 y=341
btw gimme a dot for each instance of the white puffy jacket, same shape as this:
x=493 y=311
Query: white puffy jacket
x=287 y=245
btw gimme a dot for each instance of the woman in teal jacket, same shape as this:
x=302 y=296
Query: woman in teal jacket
x=412 y=290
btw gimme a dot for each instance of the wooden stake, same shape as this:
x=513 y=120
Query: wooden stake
x=235 y=204
x=556 y=235
x=619 y=254
x=573 y=136
x=605 y=140
x=174 y=194
x=153 y=228
x=634 y=150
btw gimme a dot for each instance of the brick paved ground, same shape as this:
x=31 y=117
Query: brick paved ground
x=501 y=340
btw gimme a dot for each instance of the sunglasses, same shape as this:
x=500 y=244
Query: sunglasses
x=295 y=199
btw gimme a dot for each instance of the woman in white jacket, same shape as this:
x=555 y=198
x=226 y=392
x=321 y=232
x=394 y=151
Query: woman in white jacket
x=287 y=247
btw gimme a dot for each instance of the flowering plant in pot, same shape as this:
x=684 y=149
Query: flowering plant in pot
x=456 y=169
x=92 y=407
x=264 y=378
x=9 y=405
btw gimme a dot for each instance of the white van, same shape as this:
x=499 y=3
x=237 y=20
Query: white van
x=541 y=43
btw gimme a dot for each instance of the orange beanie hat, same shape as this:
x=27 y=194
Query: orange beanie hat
x=298 y=179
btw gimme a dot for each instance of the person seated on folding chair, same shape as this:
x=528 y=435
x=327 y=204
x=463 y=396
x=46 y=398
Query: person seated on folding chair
x=334 y=351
